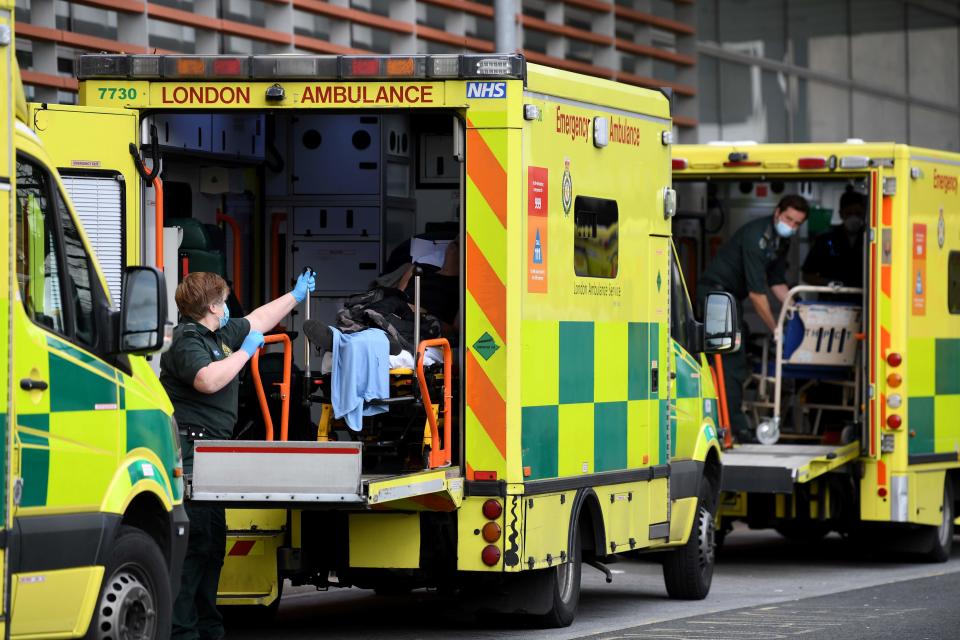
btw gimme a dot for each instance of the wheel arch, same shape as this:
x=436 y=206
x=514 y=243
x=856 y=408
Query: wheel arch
x=148 y=513
x=586 y=507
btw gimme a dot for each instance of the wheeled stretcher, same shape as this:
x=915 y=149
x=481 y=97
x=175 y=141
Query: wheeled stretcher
x=817 y=342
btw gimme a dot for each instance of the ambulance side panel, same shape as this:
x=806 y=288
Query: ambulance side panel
x=932 y=306
x=9 y=78
x=594 y=279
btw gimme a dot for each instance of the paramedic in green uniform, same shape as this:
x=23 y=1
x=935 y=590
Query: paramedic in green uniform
x=200 y=373
x=749 y=265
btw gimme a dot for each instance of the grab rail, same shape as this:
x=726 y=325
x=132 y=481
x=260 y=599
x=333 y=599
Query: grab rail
x=439 y=457
x=284 y=385
x=237 y=251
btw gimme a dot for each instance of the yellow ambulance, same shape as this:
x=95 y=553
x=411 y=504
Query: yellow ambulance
x=93 y=527
x=569 y=415
x=857 y=397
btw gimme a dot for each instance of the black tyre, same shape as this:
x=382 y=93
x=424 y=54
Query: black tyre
x=937 y=542
x=563 y=581
x=688 y=570
x=135 y=601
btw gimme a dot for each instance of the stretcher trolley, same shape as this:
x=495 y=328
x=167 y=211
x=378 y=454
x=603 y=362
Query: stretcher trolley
x=816 y=344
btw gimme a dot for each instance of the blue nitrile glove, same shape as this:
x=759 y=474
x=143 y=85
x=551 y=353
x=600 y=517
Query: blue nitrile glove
x=305 y=284
x=252 y=342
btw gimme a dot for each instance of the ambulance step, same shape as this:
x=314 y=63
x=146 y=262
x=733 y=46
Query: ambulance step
x=277 y=472
x=775 y=468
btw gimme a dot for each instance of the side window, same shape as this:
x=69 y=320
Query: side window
x=79 y=292
x=953 y=282
x=38 y=271
x=595 y=240
x=681 y=313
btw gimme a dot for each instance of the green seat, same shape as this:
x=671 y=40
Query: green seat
x=197 y=246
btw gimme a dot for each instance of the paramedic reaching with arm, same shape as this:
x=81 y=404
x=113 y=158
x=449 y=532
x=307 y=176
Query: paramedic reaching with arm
x=200 y=373
x=752 y=264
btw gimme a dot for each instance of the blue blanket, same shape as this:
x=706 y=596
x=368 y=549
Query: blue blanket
x=361 y=372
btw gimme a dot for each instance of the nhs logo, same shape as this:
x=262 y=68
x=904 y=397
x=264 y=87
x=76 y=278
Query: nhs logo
x=486 y=90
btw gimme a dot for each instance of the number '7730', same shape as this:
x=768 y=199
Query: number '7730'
x=117 y=93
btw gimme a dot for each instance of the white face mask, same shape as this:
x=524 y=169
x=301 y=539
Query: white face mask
x=783 y=229
x=225 y=318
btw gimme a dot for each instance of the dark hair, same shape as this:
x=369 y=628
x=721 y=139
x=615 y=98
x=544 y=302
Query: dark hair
x=850 y=198
x=198 y=291
x=793 y=201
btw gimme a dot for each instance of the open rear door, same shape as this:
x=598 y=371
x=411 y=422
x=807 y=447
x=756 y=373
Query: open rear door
x=90 y=147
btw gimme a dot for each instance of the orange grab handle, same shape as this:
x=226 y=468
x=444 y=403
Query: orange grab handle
x=276 y=220
x=158 y=220
x=284 y=385
x=439 y=457
x=722 y=396
x=237 y=270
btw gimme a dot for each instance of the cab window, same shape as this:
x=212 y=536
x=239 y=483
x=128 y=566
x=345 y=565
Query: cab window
x=38 y=271
x=681 y=313
x=79 y=280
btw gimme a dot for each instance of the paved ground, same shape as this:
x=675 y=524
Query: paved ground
x=775 y=585
x=916 y=609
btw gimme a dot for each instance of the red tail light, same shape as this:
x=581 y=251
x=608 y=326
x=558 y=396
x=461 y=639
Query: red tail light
x=491 y=532
x=894 y=359
x=882 y=492
x=894 y=421
x=492 y=509
x=679 y=163
x=490 y=555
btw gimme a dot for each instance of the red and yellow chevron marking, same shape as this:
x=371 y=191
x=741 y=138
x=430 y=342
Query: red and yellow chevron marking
x=486 y=308
x=880 y=306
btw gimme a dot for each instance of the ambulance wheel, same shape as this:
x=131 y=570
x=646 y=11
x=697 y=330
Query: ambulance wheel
x=135 y=601
x=688 y=570
x=564 y=584
x=939 y=539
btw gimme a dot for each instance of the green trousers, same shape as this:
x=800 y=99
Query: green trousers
x=195 y=615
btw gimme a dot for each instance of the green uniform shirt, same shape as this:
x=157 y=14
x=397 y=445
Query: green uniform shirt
x=752 y=261
x=194 y=347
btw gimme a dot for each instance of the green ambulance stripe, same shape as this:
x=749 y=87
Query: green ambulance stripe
x=150 y=428
x=35 y=459
x=74 y=388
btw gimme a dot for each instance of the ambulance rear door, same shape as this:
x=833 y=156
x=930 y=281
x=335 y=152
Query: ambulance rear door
x=90 y=146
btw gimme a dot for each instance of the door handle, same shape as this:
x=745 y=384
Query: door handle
x=29 y=384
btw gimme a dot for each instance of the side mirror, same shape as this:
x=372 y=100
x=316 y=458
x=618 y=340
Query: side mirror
x=720 y=323
x=143 y=313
